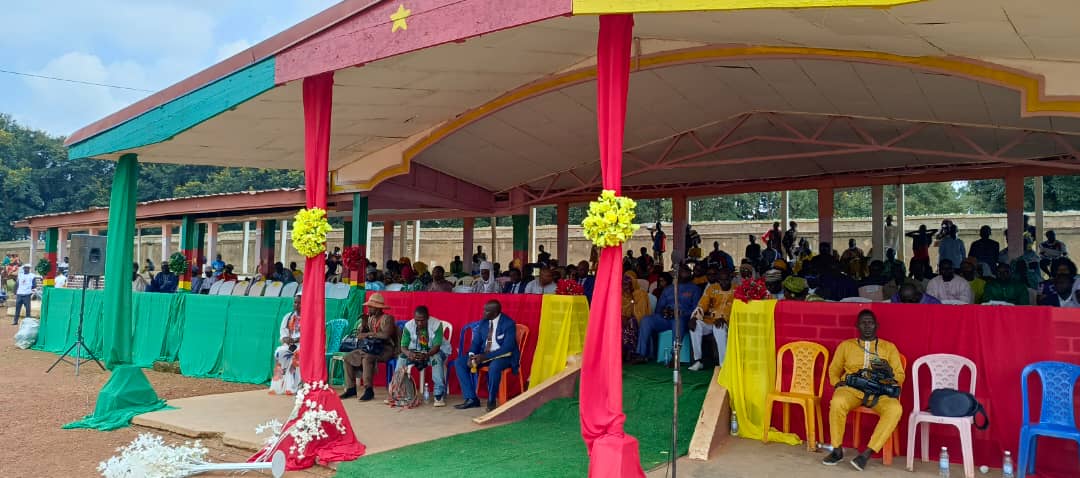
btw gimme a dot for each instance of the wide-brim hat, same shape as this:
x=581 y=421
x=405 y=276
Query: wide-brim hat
x=376 y=300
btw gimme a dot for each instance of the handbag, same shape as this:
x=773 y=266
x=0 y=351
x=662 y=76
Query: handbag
x=947 y=402
x=349 y=343
x=371 y=346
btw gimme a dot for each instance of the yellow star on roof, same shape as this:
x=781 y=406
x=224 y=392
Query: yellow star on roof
x=399 y=18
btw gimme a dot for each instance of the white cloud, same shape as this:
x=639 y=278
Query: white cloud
x=232 y=48
x=61 y=107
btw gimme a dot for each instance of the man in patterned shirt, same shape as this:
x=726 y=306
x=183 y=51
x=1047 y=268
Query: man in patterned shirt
x=712 y=314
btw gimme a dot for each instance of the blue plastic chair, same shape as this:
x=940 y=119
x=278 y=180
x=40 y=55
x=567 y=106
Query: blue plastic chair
x=1056 y=419
x=663 y=347
x=391 y=365
x=335 y=333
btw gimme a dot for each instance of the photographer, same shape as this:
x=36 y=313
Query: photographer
x=421 y=346
x=864 y=363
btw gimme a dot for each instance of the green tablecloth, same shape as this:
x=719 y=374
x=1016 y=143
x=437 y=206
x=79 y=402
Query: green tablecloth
x=226 y=337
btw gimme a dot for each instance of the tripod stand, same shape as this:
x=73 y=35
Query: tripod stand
x=676 y=363
x=79 y=346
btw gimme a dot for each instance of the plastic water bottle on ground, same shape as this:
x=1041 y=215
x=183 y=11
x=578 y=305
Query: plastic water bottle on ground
x=427 y=393
x=1007 y=465
x=943 y=463
x=734 y=424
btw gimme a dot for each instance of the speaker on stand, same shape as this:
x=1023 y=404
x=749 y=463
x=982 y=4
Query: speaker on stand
x=87 y=258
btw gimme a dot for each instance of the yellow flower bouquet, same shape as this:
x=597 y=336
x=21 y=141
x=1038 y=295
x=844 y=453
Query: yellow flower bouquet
x=610 y=221
x=309 y=232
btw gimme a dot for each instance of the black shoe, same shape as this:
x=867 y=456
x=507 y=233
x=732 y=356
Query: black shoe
x=835 y=457
x=859 y=462
x=490 y=406
x=468 y=403
x=368 y=395
x=349 y=393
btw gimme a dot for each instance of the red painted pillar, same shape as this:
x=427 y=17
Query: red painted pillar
x=469 y=224
x=562 y=239
x=267 y=228
x=680 y=215
x=52 y=236
x=825 y=217
x=521 y=238
x=1014 y=209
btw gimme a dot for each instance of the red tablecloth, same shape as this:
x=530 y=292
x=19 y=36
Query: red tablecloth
x=463 y=309
x=1000 y=340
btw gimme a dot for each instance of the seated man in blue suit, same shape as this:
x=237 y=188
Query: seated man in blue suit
x=663 y=319
x=494 y=344
x=587 y=281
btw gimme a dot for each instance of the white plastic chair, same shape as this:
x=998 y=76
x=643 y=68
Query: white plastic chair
x=652 y=303
x=393 y=287
x=289 y=290
x=944 y=373
x=215 y=288
x=643 y=284
x=273 y=289
x=462 y=289
x=872 y=292
x=227 y=288
x=255 y=290
x=953 y=302
x=337 y=291
x=466 y=281
x=861 y=300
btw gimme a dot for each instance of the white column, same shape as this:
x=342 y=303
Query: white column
x=31 y=260
x=138 y=245
x=1039 y=197
x=416 y=239
x=284 y=241
x=368 y=242
x=785 y=210
x=61 y=244
x=877 y=221
x=532 y=234
x=494 y=245
x=166 y=242
x=901 y=243
x=388 y=242
x=689 y=211
x=403 y=240
x=212 y=241
x=247 y=246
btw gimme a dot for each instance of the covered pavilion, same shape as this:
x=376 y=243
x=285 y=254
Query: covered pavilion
x=498 y=98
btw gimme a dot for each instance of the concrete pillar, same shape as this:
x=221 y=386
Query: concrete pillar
x=901 y=242
x=188 y=234
x=532 y=235
x=416 y=240
x=166 y=243
x=521 y=238
x=212 y=241
x=267 y=234
x=402 y=239
x=825 y=216
x=494 y=245
x=562 y=225
x=877 y=224
x=247 y=245
x=785 y=209
x=360 y=237
x=680 y=212
x=138 y=245
x=387 y=242
x=284 y=241
x=1014 y=208
x=61 y=244
x=467 y=243
x=1040 y=194
x=31 y=259
x=200 y=248
x=52 y=236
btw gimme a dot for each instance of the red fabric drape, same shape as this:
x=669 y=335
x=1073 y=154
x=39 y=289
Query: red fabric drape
x=1000 y=340
x=612 y=453
x=318 y=105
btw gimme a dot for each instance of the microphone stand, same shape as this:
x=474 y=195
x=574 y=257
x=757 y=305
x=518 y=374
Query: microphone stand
x=676 y=349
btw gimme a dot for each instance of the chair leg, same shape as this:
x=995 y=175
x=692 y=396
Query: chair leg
x=768 y=420
x=787 y=417
x=856 y=436
x=811 y=437
x=820 y=423
x=965 y=449
x=887 y=450
x=1022 y=458
x=502 y=387
x=913 y=424
x=924 y=437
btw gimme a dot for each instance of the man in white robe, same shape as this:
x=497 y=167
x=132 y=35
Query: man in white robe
x=487 y=283
x=287 y=358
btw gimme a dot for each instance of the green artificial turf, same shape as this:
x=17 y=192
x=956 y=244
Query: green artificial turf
x=548 y=443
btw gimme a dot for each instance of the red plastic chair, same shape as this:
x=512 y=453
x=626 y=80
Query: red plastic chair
x=892 y=445
x=522 y=333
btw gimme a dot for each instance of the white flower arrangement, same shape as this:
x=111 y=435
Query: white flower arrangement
x=309 y=425
x=149 y=457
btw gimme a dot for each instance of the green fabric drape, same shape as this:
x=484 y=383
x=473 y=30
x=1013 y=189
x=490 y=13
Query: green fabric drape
x=204 y=329
x=152 y=317
x=118 y=258
x=251 y=335
x=55 y=316
x=127 y=393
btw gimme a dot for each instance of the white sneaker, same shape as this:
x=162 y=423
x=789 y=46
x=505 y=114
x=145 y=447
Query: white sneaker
x=439 y=403
x=696 y=366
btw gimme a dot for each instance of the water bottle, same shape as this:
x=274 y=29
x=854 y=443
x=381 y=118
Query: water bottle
x=943 y=463
x=427 y=393
x=1007 y=465
x=734 y=424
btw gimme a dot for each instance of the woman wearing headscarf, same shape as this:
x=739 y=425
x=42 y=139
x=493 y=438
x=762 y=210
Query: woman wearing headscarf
x=746 y=273
x=407 y=273
x=635 y=306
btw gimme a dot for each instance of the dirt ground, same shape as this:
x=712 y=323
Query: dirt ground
x=36 y=404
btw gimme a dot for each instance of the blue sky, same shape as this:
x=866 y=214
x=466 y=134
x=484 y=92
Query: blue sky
x=145 y=44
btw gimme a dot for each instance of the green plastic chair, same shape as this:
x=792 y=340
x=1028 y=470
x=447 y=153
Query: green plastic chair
x=335 y=333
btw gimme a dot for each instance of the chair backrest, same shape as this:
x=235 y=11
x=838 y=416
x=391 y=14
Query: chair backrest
x=393 y=287
x=226 y=288
x=953 y=302
x=335 y=332
x=273 y=289
x=652 y=303
x=804 y=356
x=462 y=289
x=856 y=299
x=448 y=338
x=289 y=290
x=240 y=288
x=944 y=373
x=872 y=292
x=470 y=329
x=1058 y=382
x=337 y=291
x=255 y=290
x=215 y=287
x=467 y=280
x=522 y=335
x=643 y=284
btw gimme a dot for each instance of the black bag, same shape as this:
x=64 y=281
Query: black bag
x=873 y=384
x=371 y=346
x=946 y=402
x=349 y=343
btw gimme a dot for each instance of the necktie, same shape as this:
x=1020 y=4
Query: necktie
x=491 y=336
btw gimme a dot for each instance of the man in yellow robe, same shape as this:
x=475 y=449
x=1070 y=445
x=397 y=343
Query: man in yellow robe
x=851 y=356
x=712 y=314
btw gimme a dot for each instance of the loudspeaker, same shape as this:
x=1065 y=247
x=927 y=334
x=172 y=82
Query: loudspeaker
x=87 y=255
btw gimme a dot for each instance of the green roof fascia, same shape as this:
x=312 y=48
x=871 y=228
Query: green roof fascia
x=164 y=122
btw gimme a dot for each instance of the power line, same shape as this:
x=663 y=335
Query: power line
x=31 y=75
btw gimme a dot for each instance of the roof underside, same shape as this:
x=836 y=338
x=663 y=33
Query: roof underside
x=688 y=121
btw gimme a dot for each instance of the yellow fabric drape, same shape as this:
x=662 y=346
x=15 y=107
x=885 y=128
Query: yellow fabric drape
x=749 y=371
x=563 y=320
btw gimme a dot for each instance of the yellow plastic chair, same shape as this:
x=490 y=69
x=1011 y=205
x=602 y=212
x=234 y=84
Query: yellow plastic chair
x=800 y=389
x=892 y=445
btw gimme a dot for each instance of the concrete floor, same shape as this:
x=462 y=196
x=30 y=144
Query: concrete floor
x=234 y=416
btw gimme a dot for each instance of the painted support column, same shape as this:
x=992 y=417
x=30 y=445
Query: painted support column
x=1040 y=194
x=201 y=259
x=387 y=242
x=247 y=246
x=360 y=231
x=467 y=243
x=416 y=240
x=785 y=210
x=825 y=216
x=521 y=238
x=138 y=246
x=901 y=243
x=166 y=243
x=116 y=303
x=1014 y=208
x=61 y=244
x=562 y=223
x=93 y=231
x=347 y=231
x=212 y=241
x=188 y=235
x=284 y=241
x=403 y=239
x=877 y=224
x=267 y=230
x=32 y=259
x=532 y=235
x=494 y=242
x=367 y=236
x=52 y=236
x=680 y=217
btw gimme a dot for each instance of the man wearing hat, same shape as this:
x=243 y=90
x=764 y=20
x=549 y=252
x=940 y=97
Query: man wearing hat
x=378 y=325
x=23 y=290
x=488 y=283
x=795 y=288
x=774 y=282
